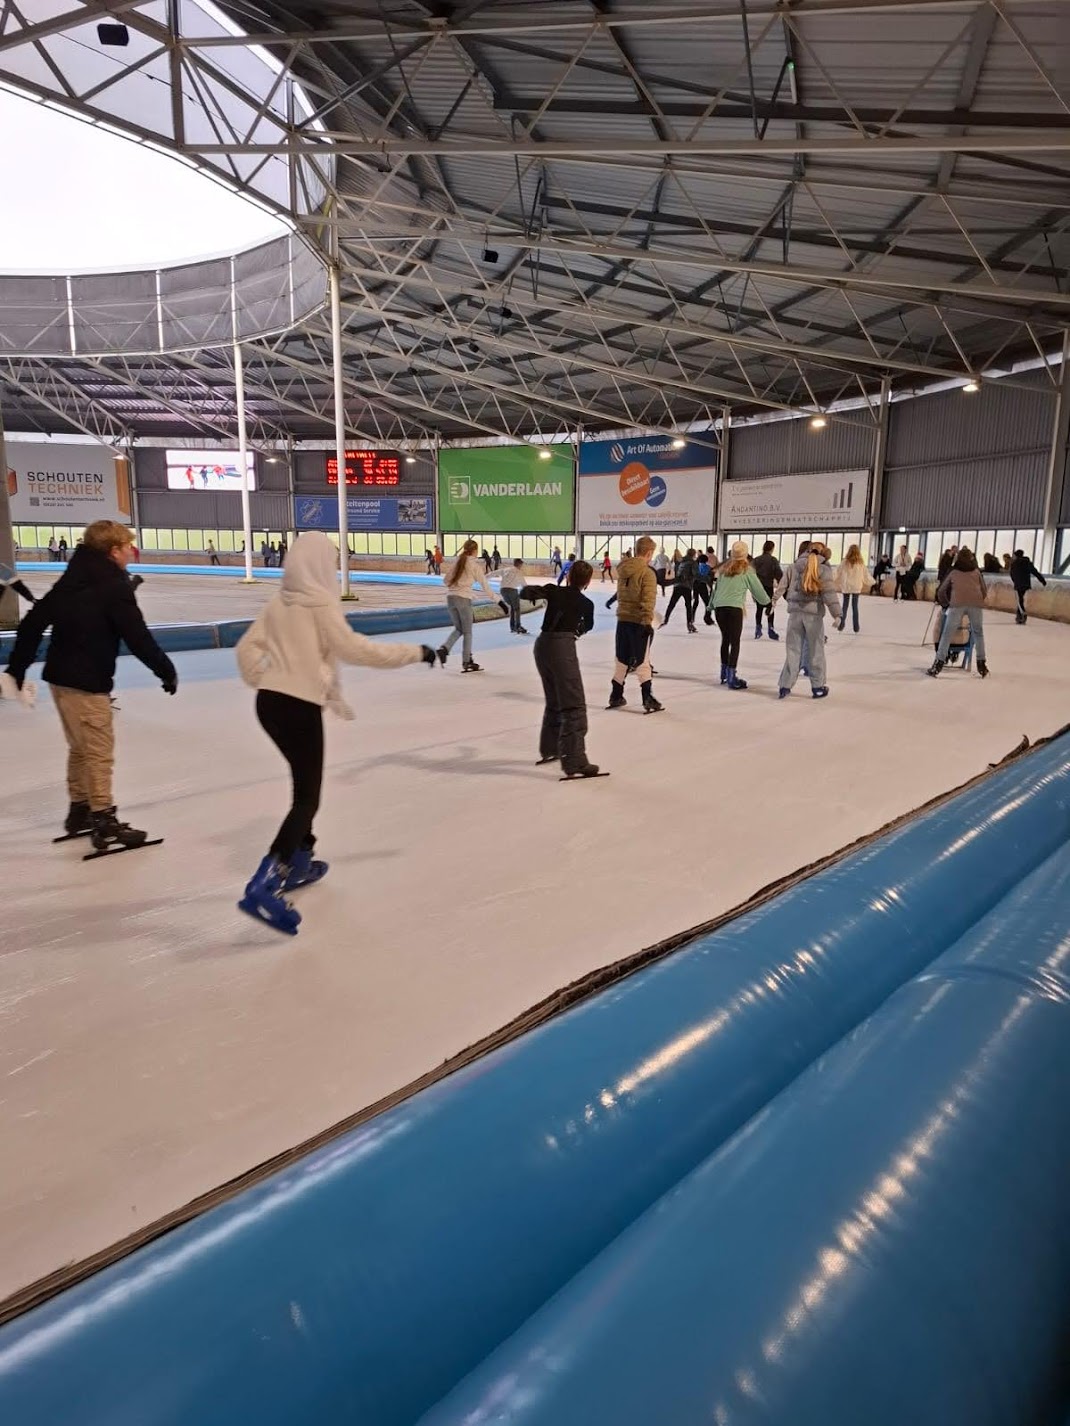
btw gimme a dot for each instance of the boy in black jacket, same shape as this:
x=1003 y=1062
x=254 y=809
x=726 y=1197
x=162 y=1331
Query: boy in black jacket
x=90 y=608
x=1022 y=571
x=569 y=615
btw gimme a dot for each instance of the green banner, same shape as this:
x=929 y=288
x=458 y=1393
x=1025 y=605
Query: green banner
x=507 y=490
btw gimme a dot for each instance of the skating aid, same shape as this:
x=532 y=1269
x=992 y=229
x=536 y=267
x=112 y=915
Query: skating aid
x=115 y=851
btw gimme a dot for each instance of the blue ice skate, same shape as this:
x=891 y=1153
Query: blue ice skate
x=263 y=901
x=304 y=870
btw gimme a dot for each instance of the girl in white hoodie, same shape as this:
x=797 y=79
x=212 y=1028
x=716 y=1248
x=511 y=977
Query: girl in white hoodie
x=289 y=655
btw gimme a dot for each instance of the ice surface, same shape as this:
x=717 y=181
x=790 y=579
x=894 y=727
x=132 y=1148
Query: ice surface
x=154 y=1042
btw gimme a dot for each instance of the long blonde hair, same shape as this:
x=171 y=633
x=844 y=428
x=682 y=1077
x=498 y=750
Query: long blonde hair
x=853 y=556
x=468 y=549
x=734 y=566
x=811 y=580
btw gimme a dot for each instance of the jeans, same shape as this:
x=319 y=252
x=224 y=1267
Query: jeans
x=512 y=598
x=951 y=623
x=460 y=612
x=805 y=629
x=295 y=726
x=730 y=623
x=852 y=600
x=564 y=721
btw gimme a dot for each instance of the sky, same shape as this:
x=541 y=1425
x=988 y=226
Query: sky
x=78 y=198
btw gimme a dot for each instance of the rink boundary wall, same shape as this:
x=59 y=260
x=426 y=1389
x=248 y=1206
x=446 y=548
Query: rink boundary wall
x=43 y=1289
x=853 y=974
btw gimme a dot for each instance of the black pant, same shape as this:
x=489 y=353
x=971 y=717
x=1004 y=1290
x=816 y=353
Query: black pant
x=564 y=722
x=1019 y=595
x=730 y=623
x=766 y=609
x=687 y=594
x=899 y=586
x=296 y=729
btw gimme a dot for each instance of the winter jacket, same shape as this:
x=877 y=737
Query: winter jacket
x=902 y=563
x=91 y=609
x=797 y=598
x=962 y=589
x=768 y=570
x=1022 y=573
x=471 y=575
x=637 y=592
x=567 y=610
x=686 y=572
x=851 y=578
x=294 y=646
x=731 y=591
x=943 y=569
x=513 y=578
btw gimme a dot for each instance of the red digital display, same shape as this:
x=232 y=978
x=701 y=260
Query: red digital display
x=367 y=468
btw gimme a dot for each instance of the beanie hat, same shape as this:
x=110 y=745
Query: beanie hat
x=740 y=550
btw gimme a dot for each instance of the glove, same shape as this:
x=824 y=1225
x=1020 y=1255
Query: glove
x=170 y=685
x=428 y=655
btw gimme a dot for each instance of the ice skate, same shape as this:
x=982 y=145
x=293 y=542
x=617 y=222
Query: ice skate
x=821 y=692
x=691 y=629
x=108 y=833
x=616 y=696
x=734 y=680
x=588 y=770
x=443 y=655
x=784 y=693
x=650 y=703
x=470 y=666
x=774 y=636
x=304 y=870
x=934 y=670
x=758 y=633
x=724 y=673
x=263 y=901
x=552 y=758
x=982 y=668
x=77 y=823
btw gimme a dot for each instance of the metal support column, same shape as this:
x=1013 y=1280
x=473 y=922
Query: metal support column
x=9 y=602
x=880 y=451
x=722 y=476
x=1058 y=461
x=243 y=461
x=339 y=424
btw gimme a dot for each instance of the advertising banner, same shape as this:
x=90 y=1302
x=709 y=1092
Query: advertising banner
x=399 y=513
x=506 y=490
x=646 y=483
x=836 y=501
x=53 y=484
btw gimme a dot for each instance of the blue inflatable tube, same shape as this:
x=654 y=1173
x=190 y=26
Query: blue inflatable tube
x=364 y=1281
x=888 y=1242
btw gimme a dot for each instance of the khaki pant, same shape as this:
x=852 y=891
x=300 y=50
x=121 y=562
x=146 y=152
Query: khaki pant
x=87 y=724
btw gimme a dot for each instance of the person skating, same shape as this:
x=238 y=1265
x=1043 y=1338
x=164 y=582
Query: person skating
x=290 y=656
x=210 y=550
x=91 y=609
x=565 y=568
x=767 y=568
x=811 y=590
x=569 y=615
x=945 y=564
x=851 y=580
x=703 y=582
x=881 y=567
x=736 y=578
x=637 y=593
x=660 y=566
x=512 y=582
x=1022 y=572
x=555 y=560
x=901 y=567
x=685 y=572
x=496 y=557
x=962 y=592
x=607 y=568
x=460 y=592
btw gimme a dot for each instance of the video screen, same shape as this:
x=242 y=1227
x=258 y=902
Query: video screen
x=207 y=470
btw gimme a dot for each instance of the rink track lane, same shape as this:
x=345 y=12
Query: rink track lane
x=154 y=1043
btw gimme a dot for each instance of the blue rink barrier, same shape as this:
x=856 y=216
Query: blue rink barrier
x=366 y=1279
x=237 y=571
x=887 y=1243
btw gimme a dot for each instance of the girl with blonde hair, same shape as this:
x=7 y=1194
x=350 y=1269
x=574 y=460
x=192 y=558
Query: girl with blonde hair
x=851 y=580
x=460 y=592
x=736 y=577
x=811 y=590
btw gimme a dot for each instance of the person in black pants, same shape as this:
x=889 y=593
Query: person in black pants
x=569 y=615
x=684 y=588
x=296 y=729
x=767 y=568
x=1022 y=571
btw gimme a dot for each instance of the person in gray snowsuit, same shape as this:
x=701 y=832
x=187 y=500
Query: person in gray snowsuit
x=811 y=590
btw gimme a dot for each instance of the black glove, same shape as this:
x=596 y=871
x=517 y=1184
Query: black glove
x=428 y=654
x=170 y=685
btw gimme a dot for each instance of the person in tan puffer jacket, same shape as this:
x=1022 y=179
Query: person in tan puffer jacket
x=637 y=593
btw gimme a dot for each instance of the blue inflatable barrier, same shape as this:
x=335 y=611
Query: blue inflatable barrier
x=365 y=1280
x=888 y=1242
x=236 y=571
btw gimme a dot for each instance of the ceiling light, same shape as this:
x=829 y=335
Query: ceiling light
x=818 y=423
x=410 y=460
x=544 y=454
x=972 y=386
x=678 y=444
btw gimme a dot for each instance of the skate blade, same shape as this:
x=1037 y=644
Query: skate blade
x=582 y=777
x=541 y=762
x=71 y=837
x=114 y=851
x=288 y=927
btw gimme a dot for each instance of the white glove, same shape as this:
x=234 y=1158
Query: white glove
x=27 y=694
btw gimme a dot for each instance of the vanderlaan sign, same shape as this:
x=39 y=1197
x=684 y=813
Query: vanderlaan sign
x=507 y=490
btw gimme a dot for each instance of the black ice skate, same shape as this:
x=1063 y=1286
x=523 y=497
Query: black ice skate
x=982 y=668
x=616 y=696
x=578 y=774
x=109 y=836
x=78 y=823
x=471 y=667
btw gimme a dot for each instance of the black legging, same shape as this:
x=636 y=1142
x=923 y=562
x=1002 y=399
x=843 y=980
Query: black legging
x=296 y=729
x=730 y=623
x=687 y=594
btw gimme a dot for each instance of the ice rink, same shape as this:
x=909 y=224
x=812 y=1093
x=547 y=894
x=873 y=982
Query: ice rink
x=155 y=1043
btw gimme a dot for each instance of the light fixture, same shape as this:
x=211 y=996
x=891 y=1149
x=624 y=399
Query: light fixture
x=971 y=387
x=678 y=444
x=410 y=460
x=545 y=454
x=818 y=423
x=490 y=255
x=117 y=35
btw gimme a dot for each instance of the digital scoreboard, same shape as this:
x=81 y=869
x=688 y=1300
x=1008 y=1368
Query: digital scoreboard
x=378 y=468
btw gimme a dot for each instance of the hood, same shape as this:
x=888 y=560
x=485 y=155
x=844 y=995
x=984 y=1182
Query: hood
x=311 y=573
x=87 y=567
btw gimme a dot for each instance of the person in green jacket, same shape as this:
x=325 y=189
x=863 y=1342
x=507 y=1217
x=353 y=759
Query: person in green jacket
x=736 y=577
